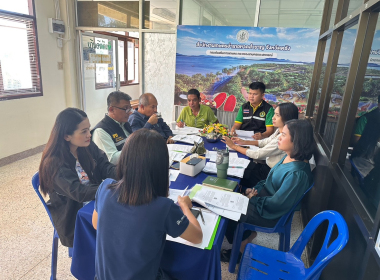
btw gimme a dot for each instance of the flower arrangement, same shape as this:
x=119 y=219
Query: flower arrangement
x=215 y=131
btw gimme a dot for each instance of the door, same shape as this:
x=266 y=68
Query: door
x=99 y=73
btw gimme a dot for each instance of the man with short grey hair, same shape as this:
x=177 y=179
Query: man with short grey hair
x=146 y=117
x=113 y=130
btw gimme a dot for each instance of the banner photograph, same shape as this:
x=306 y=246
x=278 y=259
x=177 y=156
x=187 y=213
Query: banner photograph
x=221 y=62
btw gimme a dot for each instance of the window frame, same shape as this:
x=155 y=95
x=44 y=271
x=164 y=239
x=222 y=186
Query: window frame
x=125 y=39
x=32 y=44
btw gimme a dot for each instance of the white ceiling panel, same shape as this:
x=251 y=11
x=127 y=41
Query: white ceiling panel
x=268 y=11
x=241 y=12
x=269 y=4
x=228 y=5
x=268 y=23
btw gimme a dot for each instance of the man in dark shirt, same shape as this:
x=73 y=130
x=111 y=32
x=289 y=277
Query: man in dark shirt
x=146 y=117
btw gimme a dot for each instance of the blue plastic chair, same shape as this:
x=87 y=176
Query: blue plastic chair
x=283 y=228
x=263 y=263
x=54 y=251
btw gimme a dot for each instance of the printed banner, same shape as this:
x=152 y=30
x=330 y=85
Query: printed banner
x=221 y=62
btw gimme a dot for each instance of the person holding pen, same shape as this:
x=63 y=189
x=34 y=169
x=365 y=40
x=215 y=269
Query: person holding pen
x=268 y=151
x=133 y=215
x=196 y=114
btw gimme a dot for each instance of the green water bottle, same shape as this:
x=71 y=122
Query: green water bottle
x=222 y=161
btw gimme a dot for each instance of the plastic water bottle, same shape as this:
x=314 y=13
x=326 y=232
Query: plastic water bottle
x=222 y=162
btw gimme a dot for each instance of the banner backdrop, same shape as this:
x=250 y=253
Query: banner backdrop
x=221 y=62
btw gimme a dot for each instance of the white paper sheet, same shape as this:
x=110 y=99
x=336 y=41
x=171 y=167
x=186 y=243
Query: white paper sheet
x=190 y=139
x=233 y=155
x=179 y=148
x=210 y=222
x=173 y=174
x=231 y=201
x=223 y=212
x=210 y=167
x=176 y=156
x=238 y=162
x=174 y=193
x=244 y=133
x=187 y=130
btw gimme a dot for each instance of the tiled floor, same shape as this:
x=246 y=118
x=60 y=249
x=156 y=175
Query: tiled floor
x=26 y=231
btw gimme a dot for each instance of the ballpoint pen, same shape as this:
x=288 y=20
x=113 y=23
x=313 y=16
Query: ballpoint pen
x=203 y=220
x=184 y=191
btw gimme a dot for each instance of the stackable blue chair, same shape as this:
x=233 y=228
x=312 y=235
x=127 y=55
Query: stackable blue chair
x=263 y=263
x=54 y=251
x=283 y=228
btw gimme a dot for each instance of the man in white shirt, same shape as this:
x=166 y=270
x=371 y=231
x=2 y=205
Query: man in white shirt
x=113 y=130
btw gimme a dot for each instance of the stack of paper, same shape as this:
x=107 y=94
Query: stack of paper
x=233 y=171
x=227 y=204
x=190 y=139
x=174 y=193
x=176 y=156
x=173 y=174
x=186 y=131
x=179 y=148
x=245 y=135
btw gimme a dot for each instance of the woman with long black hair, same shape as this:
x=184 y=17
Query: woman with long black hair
x=71 y=170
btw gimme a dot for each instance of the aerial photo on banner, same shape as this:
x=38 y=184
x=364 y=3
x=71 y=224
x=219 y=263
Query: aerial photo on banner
x=221 y=62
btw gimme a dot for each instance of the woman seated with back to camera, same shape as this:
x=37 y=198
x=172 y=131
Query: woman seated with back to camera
x=268 y=148
x=71 y=170
x=133 y=215
x=287 y=181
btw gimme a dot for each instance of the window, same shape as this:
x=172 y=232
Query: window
x=19 y=63
x=128 y=61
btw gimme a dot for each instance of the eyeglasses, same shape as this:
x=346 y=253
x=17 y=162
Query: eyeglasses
x=127 y=110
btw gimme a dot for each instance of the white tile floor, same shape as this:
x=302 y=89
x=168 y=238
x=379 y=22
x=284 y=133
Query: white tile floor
x=26 y=231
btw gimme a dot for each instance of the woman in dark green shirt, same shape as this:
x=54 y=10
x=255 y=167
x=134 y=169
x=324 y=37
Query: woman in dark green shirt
x=286 y=183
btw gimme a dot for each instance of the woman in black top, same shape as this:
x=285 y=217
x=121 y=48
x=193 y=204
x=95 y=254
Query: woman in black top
x=71 y=170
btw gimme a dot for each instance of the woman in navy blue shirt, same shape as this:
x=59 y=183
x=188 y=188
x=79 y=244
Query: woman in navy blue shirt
x=133 y=215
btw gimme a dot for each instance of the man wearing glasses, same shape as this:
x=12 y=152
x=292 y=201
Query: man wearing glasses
x=113 y=130
x=146 y=116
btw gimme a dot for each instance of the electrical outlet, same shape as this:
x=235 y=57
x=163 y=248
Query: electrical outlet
x=60 y=65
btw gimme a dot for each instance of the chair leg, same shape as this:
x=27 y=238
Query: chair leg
x=54 y=256
x=236 y=247
x=70 y=252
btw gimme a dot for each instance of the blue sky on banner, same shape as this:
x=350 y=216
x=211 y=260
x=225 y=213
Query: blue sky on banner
x=303 y=41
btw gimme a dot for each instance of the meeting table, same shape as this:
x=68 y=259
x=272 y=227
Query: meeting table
x=181 y=261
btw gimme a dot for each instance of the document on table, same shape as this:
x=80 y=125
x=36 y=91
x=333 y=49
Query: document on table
x=245 y=134
x=176 y=156
x=212 y=155
x=223 y=212
x=179 y=148
x=173 y=174
x=174 y=193
x=238 y=162
x=211 y=221
x=190 y=139
x=234 y=171
x=187 y=130
x=230 y=201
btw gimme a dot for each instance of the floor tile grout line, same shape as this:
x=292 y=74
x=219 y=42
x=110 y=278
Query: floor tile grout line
x=34 y=266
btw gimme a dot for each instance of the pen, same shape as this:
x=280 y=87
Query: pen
x=240 y=167
x=203 y=220
x=184 y=191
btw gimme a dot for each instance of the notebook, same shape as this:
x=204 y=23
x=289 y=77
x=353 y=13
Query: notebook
x=219 y=183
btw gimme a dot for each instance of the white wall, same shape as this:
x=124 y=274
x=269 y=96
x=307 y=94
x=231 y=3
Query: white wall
x=26 y=123
x=159 y=70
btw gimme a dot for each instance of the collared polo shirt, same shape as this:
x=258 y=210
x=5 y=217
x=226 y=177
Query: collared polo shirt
x=205 y=117
x=250 y=115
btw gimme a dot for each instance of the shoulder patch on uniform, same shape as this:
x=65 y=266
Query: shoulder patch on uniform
x=246 y=111
x=262 y=114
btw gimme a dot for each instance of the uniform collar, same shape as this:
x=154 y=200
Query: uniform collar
x=255 y=108
x=119 y=123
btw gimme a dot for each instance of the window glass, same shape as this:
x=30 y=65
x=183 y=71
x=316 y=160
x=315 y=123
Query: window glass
x=226 y=13
x=104 y=60
x=291 y=13
x=321 y=78
x=364 y=161
x=333 y=13
x=16 y=6
x=159 y=14
x=19 y=69
x=339 y=77
x=121 y=59
x=131 y=61
x=354 y=4
x=136 y=65
x=191 y=12
x=112 y=14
